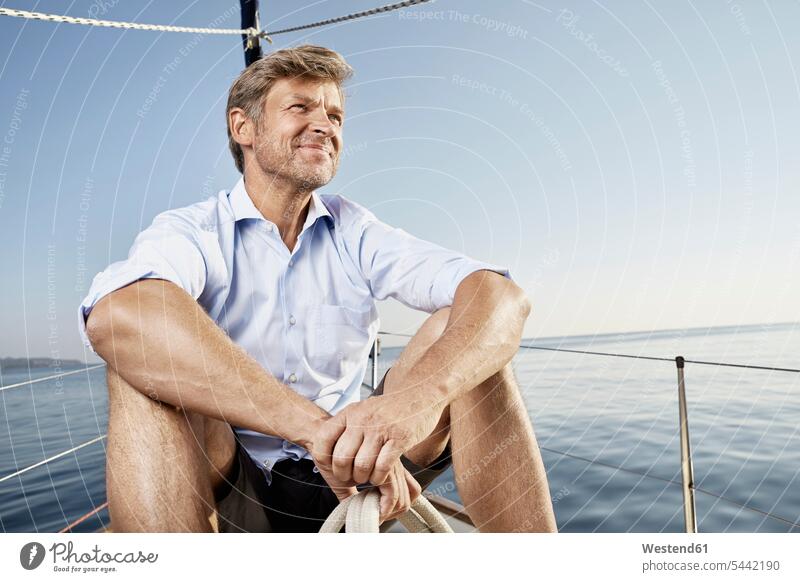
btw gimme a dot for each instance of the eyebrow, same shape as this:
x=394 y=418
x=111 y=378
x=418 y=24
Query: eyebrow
x=307 y=99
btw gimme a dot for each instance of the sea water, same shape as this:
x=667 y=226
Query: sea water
x=607 y=426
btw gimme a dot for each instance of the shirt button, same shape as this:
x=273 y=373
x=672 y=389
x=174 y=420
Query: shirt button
x=291 y=263
x=292 y=320
x=292 y=378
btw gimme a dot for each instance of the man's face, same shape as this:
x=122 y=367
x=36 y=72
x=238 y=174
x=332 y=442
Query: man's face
x=299 y=136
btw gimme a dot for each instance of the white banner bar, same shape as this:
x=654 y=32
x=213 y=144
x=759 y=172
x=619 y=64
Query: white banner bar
x=387 y=557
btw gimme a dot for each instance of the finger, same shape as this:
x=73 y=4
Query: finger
x=325 y=441
x=406 y=494
x=388 y=456
x=341 y=489
x=389 y=497
x=414 y=488
x=343 y=493
x=364 y=462
x=398 y=479
x=344 y=453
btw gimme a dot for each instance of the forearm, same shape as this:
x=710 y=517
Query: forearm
x=482 y=335
x=162 y=342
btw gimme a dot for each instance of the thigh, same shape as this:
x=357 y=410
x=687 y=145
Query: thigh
x=154 y=462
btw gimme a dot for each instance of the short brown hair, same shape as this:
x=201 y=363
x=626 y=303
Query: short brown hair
x=250 y=89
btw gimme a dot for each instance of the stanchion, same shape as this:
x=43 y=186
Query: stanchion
x=687 y=473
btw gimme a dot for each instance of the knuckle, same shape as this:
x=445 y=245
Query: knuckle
x=377 y=479
x=363 y=463
x=400 y=434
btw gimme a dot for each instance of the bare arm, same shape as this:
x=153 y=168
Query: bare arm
x=162 y=342
x=482 y=335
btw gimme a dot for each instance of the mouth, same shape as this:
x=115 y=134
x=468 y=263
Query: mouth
x=321 y=148
x=312 y=146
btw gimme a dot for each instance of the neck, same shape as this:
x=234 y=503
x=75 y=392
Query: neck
x=280 y=202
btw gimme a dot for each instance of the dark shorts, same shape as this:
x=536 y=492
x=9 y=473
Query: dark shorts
x=297 y=500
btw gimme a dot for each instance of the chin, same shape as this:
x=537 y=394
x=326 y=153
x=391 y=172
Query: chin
x=316 y=177
x=314 y=181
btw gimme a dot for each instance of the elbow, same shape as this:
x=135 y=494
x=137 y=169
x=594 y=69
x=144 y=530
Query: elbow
x=525 y=305
x=521 y=301
x=98 y=326
x=108 y=322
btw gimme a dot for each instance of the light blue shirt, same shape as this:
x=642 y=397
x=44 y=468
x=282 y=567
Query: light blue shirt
x=308 y=316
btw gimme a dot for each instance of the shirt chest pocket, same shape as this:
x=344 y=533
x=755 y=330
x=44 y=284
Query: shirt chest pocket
x=338 y=339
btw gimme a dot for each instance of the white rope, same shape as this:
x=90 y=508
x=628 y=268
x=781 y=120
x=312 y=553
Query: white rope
x=53 y=458
x=126 y=25
x=361 y=514
x=70 y=373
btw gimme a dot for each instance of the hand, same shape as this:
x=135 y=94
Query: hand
x=364 y=441
x=398 y=492
x=342 y=489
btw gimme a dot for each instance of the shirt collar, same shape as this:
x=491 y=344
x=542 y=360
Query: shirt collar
x=243 y=206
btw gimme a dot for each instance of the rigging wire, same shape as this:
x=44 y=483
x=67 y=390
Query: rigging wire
x=250 y=33
x=654 y=358
x=370 y=12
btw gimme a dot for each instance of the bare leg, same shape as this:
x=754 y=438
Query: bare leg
x=498 y=466
x=499 y=470
x=162 y=462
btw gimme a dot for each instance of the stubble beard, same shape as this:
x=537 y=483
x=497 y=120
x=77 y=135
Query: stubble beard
x=305 y=176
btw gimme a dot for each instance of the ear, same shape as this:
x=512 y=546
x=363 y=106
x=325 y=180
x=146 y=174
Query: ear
x=242 y=127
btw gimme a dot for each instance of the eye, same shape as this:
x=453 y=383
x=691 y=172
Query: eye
x=336 y=118
x=300 y=105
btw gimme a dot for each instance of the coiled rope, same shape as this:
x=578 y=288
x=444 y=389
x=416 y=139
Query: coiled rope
x=361 y=514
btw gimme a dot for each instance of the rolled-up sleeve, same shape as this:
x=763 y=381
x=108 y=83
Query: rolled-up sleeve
x=169 y=249
x=418 y=273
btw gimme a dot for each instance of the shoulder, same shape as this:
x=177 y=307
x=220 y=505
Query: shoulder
x=347 y=214
x=196 y=219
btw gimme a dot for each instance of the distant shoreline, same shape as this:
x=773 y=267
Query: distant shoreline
x=662 y=332
x=26 y=363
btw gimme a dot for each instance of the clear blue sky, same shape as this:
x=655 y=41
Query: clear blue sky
x=634 y=164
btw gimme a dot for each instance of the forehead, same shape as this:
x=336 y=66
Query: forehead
x=309 y=88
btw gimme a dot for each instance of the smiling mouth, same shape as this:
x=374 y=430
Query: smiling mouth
x=319 y=148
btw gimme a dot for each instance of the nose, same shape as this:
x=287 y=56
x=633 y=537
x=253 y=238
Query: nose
x=321 y=124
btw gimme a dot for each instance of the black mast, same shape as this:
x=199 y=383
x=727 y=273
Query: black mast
x=252 y=45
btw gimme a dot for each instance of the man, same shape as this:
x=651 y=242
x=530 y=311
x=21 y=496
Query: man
x=237 y=333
